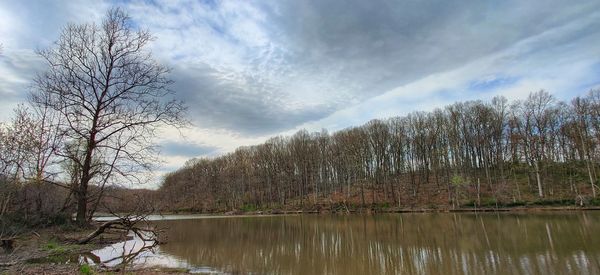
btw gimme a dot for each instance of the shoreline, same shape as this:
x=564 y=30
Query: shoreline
x=275 y=212
x=54 y=251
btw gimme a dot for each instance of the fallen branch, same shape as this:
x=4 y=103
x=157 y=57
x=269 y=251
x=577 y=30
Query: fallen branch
x=125 y=224
x=100 y=230
x=136 y=222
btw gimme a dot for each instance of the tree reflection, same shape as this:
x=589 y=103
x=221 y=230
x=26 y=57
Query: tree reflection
x=390 y=244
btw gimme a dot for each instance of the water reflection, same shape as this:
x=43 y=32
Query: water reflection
x=128 y=253
x=546 y=243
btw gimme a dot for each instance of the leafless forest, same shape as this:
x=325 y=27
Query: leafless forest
x=495 y=153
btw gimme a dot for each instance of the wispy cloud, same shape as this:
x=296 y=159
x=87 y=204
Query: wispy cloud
x=186 y=149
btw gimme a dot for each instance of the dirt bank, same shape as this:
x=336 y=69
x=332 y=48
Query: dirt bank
x=55 y=251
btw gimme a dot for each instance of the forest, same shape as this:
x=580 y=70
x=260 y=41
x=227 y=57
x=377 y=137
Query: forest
x=469 y=154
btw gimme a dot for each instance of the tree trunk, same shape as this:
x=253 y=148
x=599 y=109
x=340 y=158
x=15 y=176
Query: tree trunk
x=81 y=193
x=539 y=180
x=81 y=217
x=362 y=193
x=591 y=177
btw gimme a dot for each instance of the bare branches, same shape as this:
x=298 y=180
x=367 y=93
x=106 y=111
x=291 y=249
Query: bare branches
x=135 y=222
x=128 y=223
x=110 y=95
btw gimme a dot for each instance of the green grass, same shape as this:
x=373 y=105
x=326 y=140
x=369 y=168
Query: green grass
x=54 y=247
x=85 y=269
x=249 y=208
x=60 y=258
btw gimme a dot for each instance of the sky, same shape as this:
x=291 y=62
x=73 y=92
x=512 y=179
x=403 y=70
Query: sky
x=250 y=70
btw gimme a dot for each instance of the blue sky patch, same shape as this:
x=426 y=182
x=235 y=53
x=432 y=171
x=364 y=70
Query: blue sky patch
x=186 y=149
x=494 y=83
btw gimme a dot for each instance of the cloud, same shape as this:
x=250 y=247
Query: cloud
x=186 y=149
x=222 y=105
x=35 y=24
x=262 y=68
x=563 y=60
x=17 y=69
x=26 y=27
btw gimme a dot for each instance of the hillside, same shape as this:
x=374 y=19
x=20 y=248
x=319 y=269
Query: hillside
x=468 y=154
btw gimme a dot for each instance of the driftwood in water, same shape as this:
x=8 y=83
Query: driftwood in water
x=126 y=224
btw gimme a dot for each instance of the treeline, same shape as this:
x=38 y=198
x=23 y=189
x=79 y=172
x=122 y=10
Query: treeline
x=470 y=152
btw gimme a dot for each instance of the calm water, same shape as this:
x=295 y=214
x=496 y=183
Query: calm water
x=445 y=243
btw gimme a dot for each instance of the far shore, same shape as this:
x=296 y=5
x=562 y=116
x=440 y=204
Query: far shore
x=274 y=212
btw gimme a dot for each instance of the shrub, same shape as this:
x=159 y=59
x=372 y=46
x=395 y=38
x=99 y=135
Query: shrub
x=594 y=201
x=458 y=180
x=60 y=218
x=556 y=202
x=489 y=202
x=515 y=203
x=470 y=203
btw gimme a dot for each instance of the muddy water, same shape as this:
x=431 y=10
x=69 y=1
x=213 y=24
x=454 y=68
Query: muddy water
x=444 y=243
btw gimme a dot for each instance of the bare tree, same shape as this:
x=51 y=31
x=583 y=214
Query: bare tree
x=111 y=97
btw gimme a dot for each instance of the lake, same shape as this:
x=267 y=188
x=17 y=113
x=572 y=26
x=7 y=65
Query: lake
x=415 y=243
